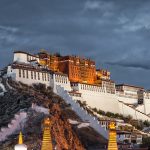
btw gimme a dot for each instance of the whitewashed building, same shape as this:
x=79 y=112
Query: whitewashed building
x=26 y=69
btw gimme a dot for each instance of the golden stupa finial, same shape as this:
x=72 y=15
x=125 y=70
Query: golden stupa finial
x=112 y=126
x=20 y=141
x=47 y=122
x=43 y=51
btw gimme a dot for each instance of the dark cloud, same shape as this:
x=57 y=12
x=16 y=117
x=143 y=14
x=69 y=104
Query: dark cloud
x=134 y=65
x=139 y=58
x=115 y=33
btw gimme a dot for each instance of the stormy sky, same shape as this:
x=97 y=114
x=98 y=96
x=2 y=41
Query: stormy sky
x=114 y=33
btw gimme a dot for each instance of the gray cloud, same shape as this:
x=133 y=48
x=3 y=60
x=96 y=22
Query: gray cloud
x=115 y=33
x=142 y=65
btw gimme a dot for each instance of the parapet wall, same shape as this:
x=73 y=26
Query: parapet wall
x=127 y=110
x=101 y=100
x=127 y=100
x=18 y=121
x=15 y=124
x=63 y=81
x=40 y=109
x=29 y=77
x=83 y=114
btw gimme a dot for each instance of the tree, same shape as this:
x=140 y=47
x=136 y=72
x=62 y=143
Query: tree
x=146 y=123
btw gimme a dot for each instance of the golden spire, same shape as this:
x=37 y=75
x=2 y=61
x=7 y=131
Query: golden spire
x=112 y=144
x=47 y=142
x=20 y=145
x=20 y=141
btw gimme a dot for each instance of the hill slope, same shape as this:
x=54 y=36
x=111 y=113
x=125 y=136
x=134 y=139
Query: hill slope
x=18 y=96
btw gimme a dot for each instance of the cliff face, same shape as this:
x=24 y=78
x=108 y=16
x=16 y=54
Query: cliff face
x=64 y=135
x=62 y=131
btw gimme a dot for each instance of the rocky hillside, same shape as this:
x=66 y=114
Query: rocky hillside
x=15 y=96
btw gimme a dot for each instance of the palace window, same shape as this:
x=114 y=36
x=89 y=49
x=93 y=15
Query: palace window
x=31 y=74
x=38 y=76
x=34 y=75
x=23 y=73
x=19 y=72
x=48 y=77
x=27 y=74
x=45 y=76
x=42 y=76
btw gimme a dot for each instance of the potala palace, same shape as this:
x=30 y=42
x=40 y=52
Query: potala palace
x=77 y=78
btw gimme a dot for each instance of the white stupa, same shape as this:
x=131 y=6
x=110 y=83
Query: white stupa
x=20 y=145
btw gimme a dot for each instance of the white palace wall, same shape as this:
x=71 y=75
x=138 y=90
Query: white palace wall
x=141 y=108
x=144 y=108
x=147 y=106
x=127 y=100
x=127 y=110
x=31 y=78
x=96 y=97
x=61 y=80
x=20 y=57
x=102 y=101
x=24 y=57
x=83 y=114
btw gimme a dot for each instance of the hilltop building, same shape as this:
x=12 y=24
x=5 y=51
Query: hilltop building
x=51 y=61
x=80 y=79
x=102 y=74
x=135 y=93
x=78 y=69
